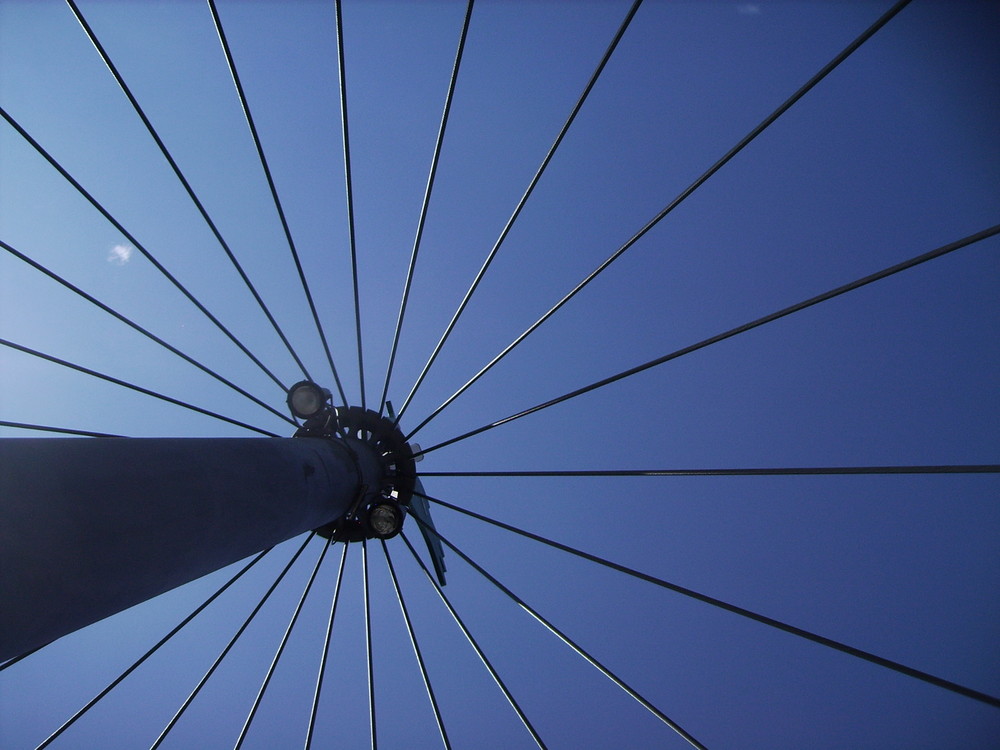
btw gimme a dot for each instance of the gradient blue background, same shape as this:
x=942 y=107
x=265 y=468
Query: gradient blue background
x=896 y=153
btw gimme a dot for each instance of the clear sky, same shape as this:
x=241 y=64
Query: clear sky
x=894 y=154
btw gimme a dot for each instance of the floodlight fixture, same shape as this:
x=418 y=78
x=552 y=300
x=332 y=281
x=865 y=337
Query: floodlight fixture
x=384 y=519
x=306 y=399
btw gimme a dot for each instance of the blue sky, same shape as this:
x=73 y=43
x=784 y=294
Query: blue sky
x=892 y=155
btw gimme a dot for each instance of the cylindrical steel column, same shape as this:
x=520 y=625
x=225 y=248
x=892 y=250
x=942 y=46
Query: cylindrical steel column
x=89 y=527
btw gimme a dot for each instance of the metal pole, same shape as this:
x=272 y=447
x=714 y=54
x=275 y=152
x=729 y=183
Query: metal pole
x=91 y=527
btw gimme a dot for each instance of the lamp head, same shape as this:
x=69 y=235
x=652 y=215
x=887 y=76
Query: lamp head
x=306 y=399
x=384 y=519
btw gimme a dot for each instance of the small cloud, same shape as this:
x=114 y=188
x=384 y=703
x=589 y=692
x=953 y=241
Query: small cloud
x=748 y=9
x=120 y=255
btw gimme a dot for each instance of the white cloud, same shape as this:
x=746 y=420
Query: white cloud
x=120 y=254
x=748 y=9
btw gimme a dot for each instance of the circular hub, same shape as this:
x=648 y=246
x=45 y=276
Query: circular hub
x=385 y=464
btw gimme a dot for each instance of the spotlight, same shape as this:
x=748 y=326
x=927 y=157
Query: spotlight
x=384 y=519
x=307 y=399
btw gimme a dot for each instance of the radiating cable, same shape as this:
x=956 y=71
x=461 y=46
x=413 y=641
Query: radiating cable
x=184 y=183
x=342 y=79
x=136 y=327
x=856 y=284
x=520 y=204
x=326 y=649
x=132 y=386
x=246 y=623
x=61 y=430
x=580 y=651
x=829 y=67
x=416 y=647
x=281 y=648
x=426 y=202
x=274 y=191
x=138 y=246
x=475 y=645
x=763 y=619
x=11 y=662
x=368 y=644
x=138 y=662
x=798 y=471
